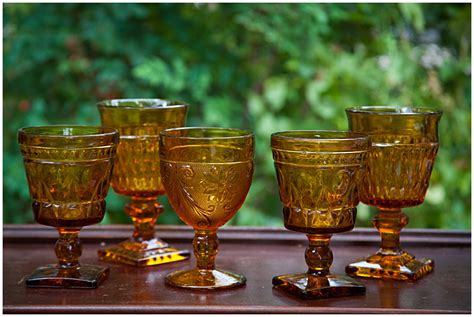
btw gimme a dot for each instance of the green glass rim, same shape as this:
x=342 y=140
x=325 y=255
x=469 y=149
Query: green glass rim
x=395 y=110
x=234 y=133
x=141 y=103
x=68 y=132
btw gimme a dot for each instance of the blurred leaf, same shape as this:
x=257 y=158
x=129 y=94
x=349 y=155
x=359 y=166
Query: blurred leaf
x=154 y=71
x=256 y=105
x=275 y=91
x=222 y=112
x=265 y=67
x=414 y=14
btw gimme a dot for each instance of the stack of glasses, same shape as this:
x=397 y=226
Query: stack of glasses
x=143 y=150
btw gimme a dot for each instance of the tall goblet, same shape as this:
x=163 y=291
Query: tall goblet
x=404 y=147
x=137 y=174
x=68 y=170
x=318 y=173
x=207 y=173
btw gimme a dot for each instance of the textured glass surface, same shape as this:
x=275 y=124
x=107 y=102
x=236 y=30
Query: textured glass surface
x=207 y=174
x=318 y=176
x=404 y=147
x=139 y=122
x=137 y=174
x=68 y=170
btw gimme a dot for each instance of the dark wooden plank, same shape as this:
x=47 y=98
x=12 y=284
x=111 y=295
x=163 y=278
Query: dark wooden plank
x=258 y=253
x=21 y=233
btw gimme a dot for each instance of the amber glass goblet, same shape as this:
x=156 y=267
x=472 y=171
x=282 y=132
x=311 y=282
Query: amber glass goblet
x=68 y=170
x=404 y=147
x=207 y=173
x=137 y=174
x=318 y=173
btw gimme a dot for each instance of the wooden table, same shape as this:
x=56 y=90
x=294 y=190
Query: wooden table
x=258 y=253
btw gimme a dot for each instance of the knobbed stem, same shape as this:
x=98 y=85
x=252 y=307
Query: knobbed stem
x=68 y=248
x=318 y=255
x=205 y=245
x=144 y=213
x=389 y=223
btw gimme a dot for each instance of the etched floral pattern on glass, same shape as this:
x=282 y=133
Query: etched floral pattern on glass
x=207 y=173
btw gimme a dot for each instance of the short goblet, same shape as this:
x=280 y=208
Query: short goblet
x=207 y=174
x=68 y=170
x=404 y=147
x=137 y=174
x=318 y=173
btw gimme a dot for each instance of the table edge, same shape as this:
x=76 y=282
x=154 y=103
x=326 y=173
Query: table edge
x=166 y=309
x=27 y=232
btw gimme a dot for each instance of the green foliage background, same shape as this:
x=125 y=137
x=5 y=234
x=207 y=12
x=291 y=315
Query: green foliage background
x=265 y=67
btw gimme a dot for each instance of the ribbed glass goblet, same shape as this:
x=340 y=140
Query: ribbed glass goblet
x=318 y=174
x=404 y=147
x=137 y=174
x=68 y=170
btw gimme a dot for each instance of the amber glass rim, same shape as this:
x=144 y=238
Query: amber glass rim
x=324 y=136
x=141 y=103
x=173 y=133
x=394 y=110
x=319 y=140
x=104 y=134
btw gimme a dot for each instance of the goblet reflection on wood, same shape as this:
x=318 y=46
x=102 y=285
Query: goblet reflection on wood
x=68 y=170
x=404 y=147
x=207 y=174
x=318 y=173
x=137 y=174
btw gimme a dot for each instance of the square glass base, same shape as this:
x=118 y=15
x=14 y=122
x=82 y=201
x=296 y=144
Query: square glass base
x=85 y=276
x=205 y=279
x=140 y=256
x=312 y=287
x=403 y=266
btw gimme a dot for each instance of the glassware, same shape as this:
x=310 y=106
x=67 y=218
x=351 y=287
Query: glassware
x=404 y=147
x=137 y=174
x=68 y=170
x=207 y=173
x=318 y=173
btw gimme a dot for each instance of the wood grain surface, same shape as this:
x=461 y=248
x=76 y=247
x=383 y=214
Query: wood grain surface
x=258 y=253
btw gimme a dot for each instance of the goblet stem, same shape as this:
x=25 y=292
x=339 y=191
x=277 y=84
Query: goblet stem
x=389 y=223
x=143 y=249
x=68 y=248
x=205 y=275
x=144 y=213
x=318 y=255
x=390 y=261
x=205 y=245
x=318 y=282
x=68 y=273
